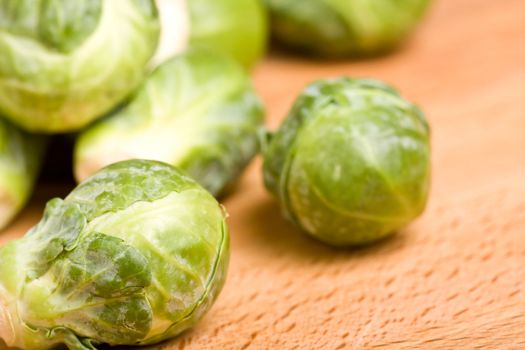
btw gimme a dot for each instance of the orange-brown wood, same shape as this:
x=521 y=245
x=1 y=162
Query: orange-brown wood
x=455 y=278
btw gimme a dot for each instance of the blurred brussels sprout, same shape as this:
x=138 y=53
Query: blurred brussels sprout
x=237 y=28
x=20 y=158
x=133 y=255
x=351 y=163
x=197 y=111
x=63 y=63
x=344 y=27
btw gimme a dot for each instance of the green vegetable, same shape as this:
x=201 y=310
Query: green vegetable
x=133 y=255
x=344 y=27
x=233 y=27
x=197 y=111
x=20 y=158
x=351 y=163
x=64 y=63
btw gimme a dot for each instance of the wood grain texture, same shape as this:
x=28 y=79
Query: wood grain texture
x=455 y=278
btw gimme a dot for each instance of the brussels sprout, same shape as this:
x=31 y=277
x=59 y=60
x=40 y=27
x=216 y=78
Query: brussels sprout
x=20 y=158
x=237 y=28
x=133 y=255
x=351 y=163
x=63 y=63
x=197 y=111
x=344 y=27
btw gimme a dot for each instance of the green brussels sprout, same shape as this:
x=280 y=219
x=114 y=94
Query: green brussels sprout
x=351 y=163
x=233 y=27
x=197 y=111
x=134 y=255
x=64 y=63
x=344 y=27
x=20 y=158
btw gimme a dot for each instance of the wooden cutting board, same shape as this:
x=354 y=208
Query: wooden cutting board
x=455 y=278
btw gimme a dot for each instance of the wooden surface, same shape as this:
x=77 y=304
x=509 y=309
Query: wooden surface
x=454 y=279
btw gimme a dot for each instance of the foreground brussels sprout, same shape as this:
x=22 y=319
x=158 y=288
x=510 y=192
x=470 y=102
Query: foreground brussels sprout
x=237 y=28
x=351 y=163
x=197 y=111
x=344 y=27
x=63 y=63
x=20 y=158
x=133 y=255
